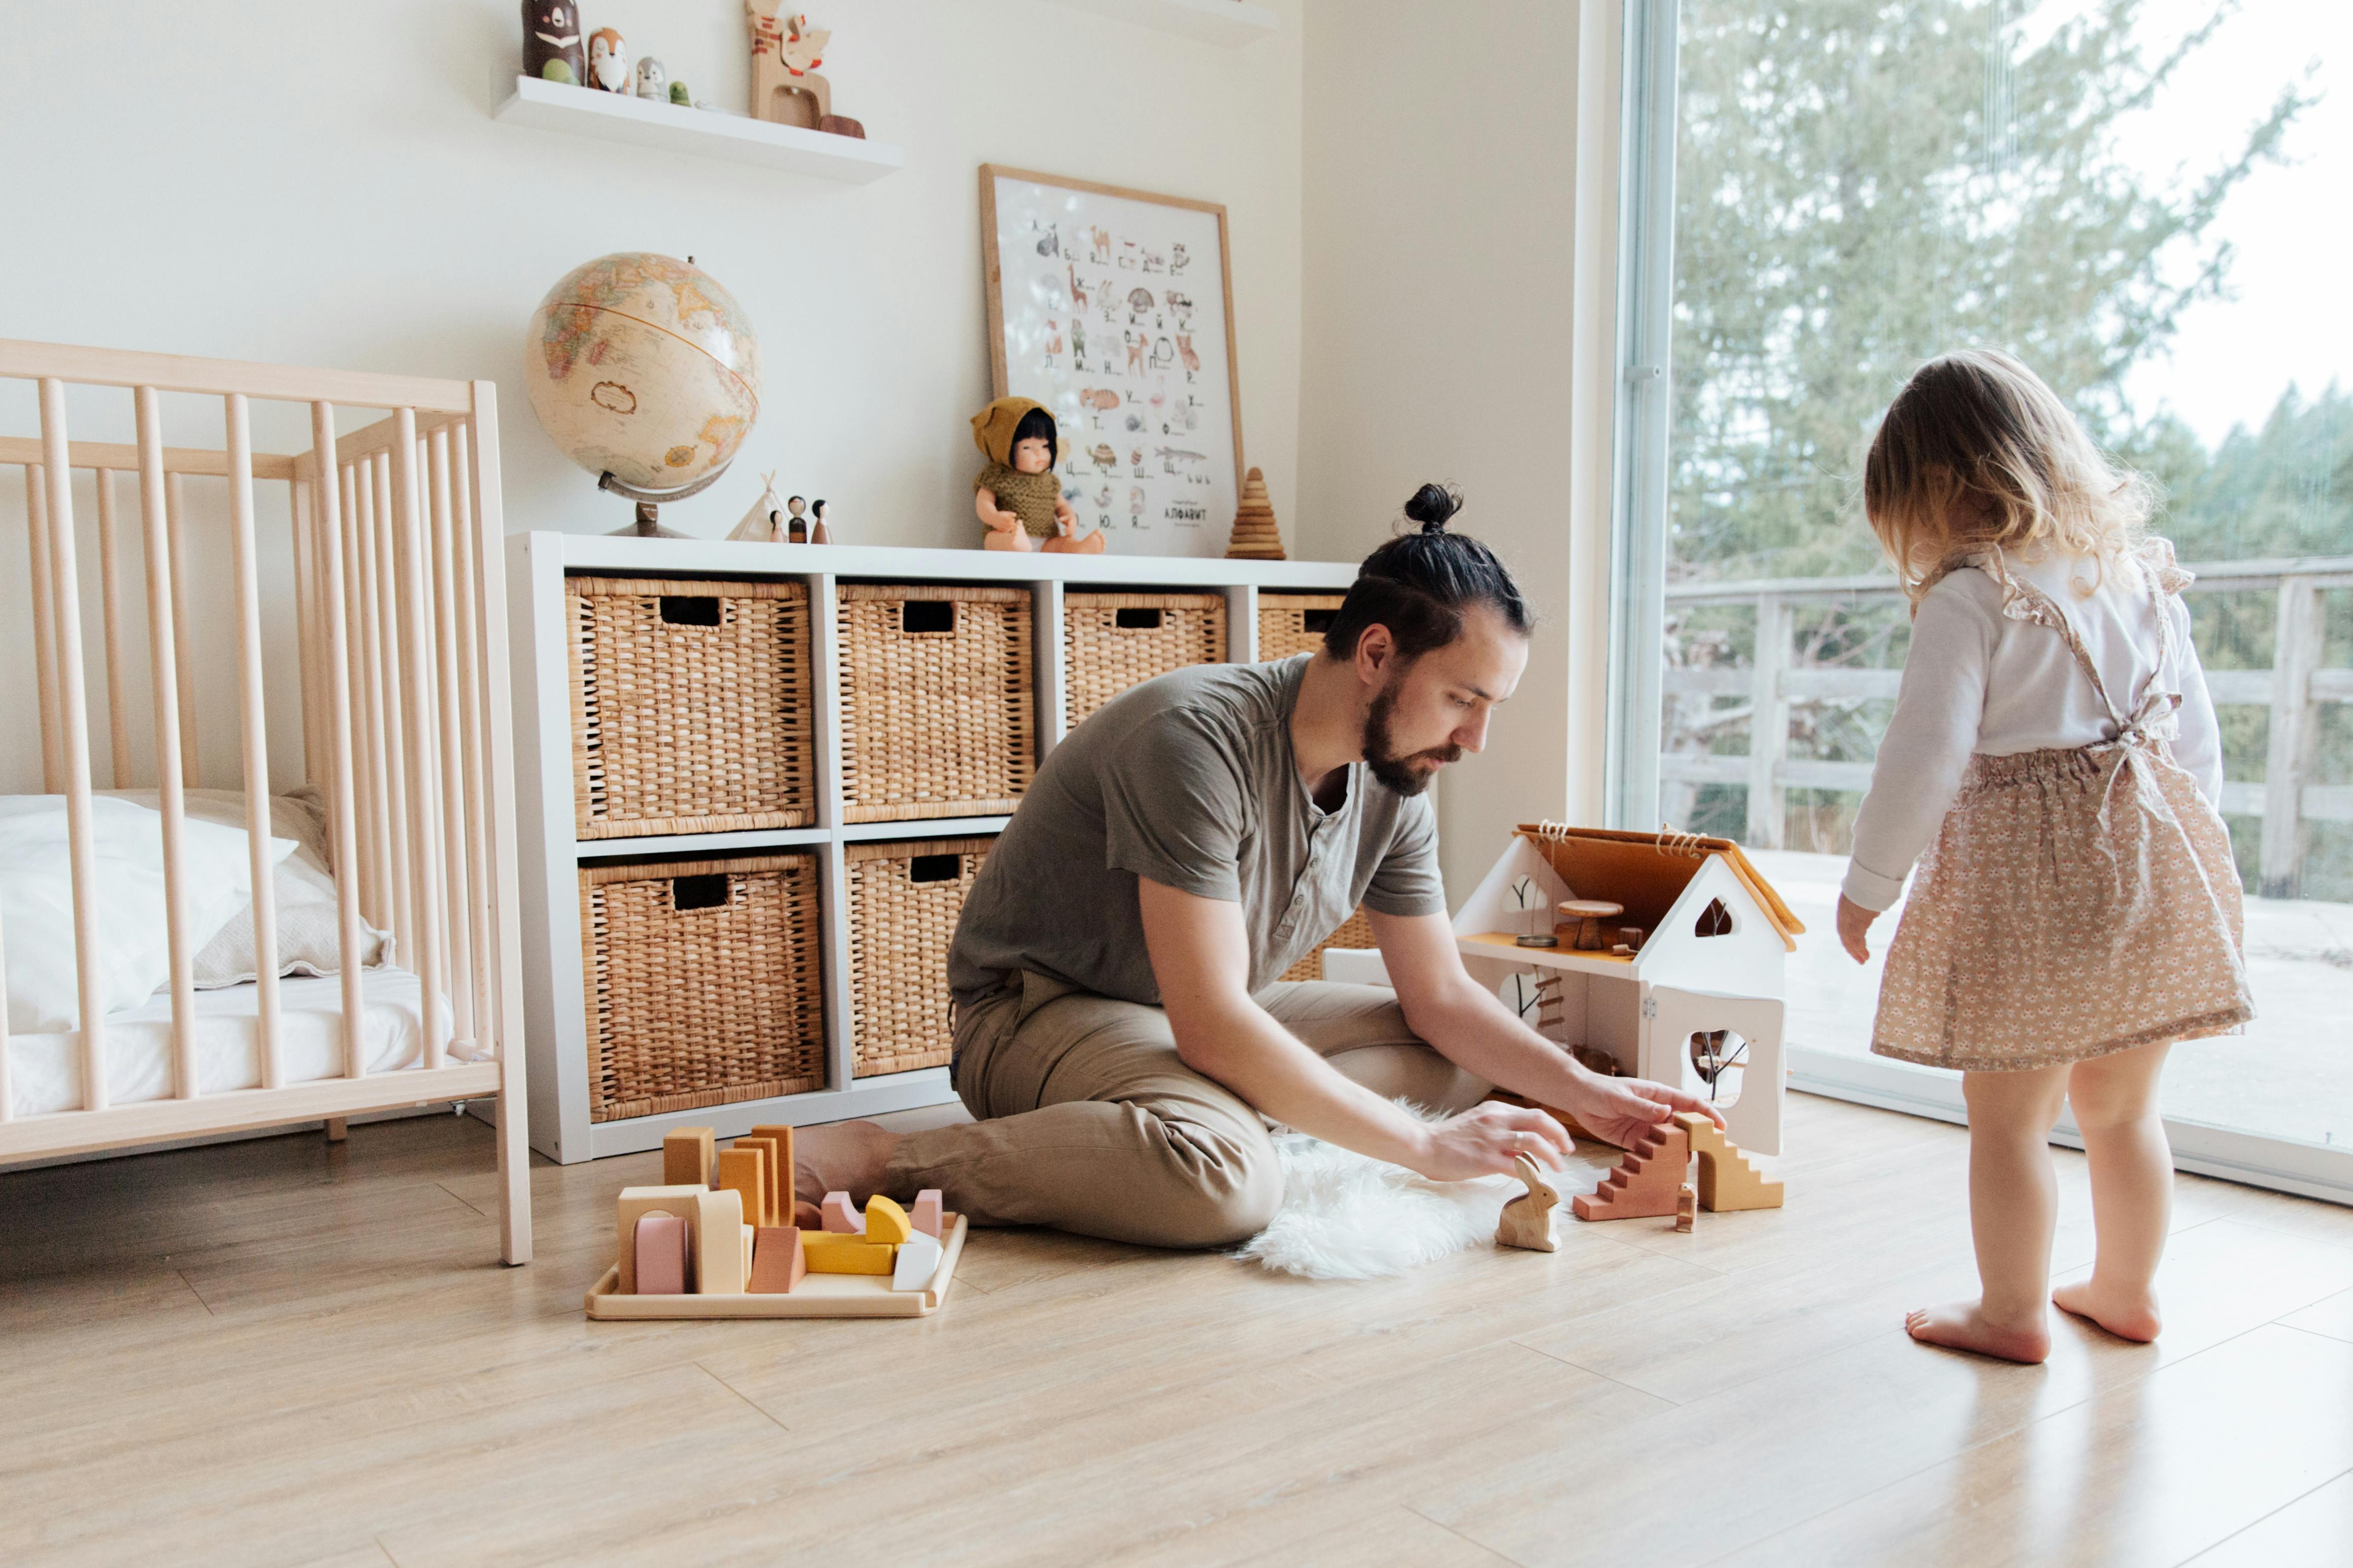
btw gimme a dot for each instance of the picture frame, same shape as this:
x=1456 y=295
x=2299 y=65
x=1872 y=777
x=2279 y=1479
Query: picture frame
x=1100 y=308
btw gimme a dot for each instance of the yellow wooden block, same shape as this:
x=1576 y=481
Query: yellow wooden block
x=636 y=1202
x=719 y=1244
x=886 y=1222
x=830 y=1252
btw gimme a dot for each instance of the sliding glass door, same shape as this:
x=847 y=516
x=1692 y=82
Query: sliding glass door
x=2143 y=201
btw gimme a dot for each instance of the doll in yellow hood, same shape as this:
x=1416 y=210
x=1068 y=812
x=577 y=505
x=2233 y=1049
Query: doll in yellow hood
x=1017 y=496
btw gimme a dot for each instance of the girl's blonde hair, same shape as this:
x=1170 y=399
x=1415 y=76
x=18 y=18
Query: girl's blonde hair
x=1977 y=452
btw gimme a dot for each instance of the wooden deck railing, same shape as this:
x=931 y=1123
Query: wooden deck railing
x=1774 y=678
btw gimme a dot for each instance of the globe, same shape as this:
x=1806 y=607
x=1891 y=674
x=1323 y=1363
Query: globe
x=642 y=367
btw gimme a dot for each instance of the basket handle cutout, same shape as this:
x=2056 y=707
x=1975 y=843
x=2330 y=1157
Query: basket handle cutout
x=1136 y=620
x=936 y=868
x=918 y=617
x=690 y=609
x=704 y=892
x=1317 y=622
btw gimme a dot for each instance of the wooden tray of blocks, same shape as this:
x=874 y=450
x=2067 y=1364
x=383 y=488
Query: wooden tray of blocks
x=706 y=1236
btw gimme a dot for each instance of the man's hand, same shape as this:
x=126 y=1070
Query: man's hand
x=1854 y=926
x=1621 y=1109
x=1482 y=1140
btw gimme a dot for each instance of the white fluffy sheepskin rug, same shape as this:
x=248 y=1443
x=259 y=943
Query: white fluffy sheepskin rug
x=1345 y=1216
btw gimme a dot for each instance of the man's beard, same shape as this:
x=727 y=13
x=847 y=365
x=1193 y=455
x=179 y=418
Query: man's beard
x=1399 y=772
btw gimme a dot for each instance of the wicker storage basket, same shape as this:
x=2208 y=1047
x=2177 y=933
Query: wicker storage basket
x=1112 y=641
x=1291 y=624
x=1355 y=931
x=691 y=709
x=904 y=900
x=702 y=983
x=937 y=714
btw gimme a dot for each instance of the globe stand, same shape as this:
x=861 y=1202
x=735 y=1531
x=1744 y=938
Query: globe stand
x=649 y=522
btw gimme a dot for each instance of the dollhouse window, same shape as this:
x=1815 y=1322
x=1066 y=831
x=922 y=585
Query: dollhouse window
x=1713 y=920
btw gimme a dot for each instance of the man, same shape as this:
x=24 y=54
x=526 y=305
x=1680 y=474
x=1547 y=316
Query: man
x=1120 y=1034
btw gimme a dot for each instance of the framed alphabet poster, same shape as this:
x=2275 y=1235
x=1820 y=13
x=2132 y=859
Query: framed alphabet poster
x=1114 y=308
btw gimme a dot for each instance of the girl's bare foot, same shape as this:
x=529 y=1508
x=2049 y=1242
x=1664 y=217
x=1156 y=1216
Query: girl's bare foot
x=1963 y=1326
x=2128 y=1315
x=842 y=1157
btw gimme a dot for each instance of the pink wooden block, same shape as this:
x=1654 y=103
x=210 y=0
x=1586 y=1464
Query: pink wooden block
x=926 y=1212
x=841 y=1217
x=661 y=1255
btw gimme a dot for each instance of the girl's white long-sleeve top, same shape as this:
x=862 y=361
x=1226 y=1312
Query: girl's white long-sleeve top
x=1979 y=681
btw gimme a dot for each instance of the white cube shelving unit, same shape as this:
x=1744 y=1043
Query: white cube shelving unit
x=550 y=856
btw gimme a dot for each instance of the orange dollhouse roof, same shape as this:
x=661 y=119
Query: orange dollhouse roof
x=1647 y=873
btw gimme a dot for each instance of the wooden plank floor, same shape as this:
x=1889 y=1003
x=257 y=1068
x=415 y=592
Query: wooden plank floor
x=289 y=1352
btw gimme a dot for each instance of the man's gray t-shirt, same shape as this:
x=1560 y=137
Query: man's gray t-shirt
x=1189 y=780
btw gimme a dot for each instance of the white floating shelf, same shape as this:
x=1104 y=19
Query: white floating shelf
x=1231 y=23
x=674 y=128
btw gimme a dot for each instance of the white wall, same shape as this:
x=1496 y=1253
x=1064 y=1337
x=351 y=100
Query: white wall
x=1439 y=172
x=322 y=183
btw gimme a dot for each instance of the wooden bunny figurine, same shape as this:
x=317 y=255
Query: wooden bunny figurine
x=1528 y=1219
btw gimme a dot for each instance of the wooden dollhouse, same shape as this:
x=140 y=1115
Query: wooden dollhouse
x=1687 y=985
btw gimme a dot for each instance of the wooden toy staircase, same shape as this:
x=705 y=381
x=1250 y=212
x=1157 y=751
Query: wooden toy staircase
x=1727 y=1179
x=1644 y=1186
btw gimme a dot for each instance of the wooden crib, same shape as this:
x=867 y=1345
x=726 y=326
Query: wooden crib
x=400 y=626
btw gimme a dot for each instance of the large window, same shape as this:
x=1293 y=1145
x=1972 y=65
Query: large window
x=2145 y=202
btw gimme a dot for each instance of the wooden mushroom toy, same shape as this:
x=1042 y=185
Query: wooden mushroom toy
x=1590 y=914
x=1527 y=1220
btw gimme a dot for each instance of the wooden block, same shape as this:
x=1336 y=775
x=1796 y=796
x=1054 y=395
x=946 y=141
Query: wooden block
x=1527 y=1220
x=918 y=1260
x=1686 y=1208
x=750 y=1235
x=636 y=1202
x=719 y=1244
x=778 y=1261
x=746 y=1170
x=886 y=1222
x=925 y=1215
x=660 y=1247
x=840 y=1219
x=835 y=1252
x=1727 y=1180
x=780 y=1169
x=687 y=1156
x=1644 y=1186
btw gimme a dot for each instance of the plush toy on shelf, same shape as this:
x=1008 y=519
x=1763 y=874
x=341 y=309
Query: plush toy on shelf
x=1018 y=497
x=551 y=42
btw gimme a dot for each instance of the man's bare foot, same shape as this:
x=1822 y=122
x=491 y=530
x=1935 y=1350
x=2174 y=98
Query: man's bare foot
x=1963 y=1326
x=2127 y=1315
x=842 y=1157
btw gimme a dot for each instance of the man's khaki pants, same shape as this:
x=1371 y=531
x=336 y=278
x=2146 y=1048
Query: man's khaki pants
x=1089 y=1122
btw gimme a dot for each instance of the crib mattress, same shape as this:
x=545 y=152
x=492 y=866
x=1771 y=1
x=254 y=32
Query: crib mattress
x=45 y=1071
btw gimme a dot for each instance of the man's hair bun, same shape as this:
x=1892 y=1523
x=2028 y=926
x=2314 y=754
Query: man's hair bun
x=1432 y=505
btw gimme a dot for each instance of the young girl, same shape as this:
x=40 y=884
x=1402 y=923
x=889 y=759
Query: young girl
x=2054 y=751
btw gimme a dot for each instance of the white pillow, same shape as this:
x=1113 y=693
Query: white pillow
x=309 y=933
x=36 y=911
